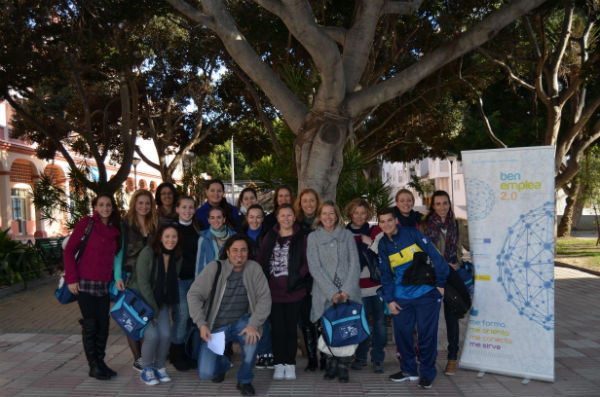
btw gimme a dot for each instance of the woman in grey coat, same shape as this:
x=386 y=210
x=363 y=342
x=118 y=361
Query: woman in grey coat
x=334 y=265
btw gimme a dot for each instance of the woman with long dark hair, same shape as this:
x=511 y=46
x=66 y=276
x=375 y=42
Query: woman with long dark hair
x=212 y=240
x=283 y=258
x=89 y=277
x=136 y=233
x=246 y=199
x=449 y=236
x=166 y=197
x=156 y=280
x=215 y=197
x=189 y=232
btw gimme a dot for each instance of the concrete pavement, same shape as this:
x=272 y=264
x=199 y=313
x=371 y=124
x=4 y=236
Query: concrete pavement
x=41 y=355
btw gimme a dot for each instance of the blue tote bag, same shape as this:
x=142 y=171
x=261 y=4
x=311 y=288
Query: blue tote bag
x=132 y=313
x=345 y=324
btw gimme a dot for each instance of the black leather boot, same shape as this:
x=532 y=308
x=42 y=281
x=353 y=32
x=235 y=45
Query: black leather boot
x=343 y=370
x=89 y=330
x=309 y=332
x=332 y=368
x=101 y=340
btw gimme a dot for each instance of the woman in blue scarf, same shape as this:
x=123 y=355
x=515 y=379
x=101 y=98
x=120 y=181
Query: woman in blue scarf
x=212 y=240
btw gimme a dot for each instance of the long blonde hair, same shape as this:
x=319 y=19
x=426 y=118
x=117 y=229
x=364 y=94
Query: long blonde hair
x=150 y=220
x=298 y=203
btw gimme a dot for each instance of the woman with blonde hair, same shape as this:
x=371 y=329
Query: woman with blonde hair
x=404 y=209
x=333 y=263
x=305 y=207
x=137 y=229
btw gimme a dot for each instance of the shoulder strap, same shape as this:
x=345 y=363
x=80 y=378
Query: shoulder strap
x=213 y=289
x=84 y=239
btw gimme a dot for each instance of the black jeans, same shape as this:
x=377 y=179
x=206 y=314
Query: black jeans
x=284 y=331
x=95 y=307
x=452 y=332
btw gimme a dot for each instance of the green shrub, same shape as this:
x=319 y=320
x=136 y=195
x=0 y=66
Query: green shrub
x=18 y=262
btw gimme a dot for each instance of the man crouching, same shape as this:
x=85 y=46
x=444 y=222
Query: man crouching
x=231 y=296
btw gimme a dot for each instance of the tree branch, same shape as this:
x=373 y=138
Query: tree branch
x=486 y=121
x=511 y=75
x=244 y=55
x=443 y=55
x=561 y=48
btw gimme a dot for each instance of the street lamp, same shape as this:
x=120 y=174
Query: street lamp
x=452 y=158
x=135 y=161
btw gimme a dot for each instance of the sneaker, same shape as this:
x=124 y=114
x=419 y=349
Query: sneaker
x=270 y=362
x=261 y=363
x=289 y=371
x=148 y=377
x=246 y=389
x=279 y=373
x=162 y=375
x=424 y=382
x=358 y=364
x=401 y=377
x=137 y=365
x=450 y=368
x=378 y=367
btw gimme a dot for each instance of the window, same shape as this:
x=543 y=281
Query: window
x=19 y=210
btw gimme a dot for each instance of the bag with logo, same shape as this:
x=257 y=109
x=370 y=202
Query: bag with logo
x=62 y=293
x=345 y=324
x=132 y=313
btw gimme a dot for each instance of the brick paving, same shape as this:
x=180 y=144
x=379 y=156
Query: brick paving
x=41 y=355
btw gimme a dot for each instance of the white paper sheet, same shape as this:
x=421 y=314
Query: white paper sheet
x=217 y=343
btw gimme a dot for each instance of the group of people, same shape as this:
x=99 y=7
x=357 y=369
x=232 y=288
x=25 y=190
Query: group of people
x=259 y=278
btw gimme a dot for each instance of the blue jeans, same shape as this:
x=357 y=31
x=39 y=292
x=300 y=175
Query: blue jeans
x=211 y=365
x=375 y=306
x=265 y=345
x=157 y=337
x=423 y=311
x=181 y=313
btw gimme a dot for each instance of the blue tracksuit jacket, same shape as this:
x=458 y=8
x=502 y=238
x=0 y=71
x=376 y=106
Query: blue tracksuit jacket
x=396 y=256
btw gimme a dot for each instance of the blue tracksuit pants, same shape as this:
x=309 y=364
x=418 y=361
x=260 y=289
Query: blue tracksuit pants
x=423 y=311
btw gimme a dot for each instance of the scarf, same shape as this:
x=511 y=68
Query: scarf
x=168 y=279
x=433 y=230
x=362 y=247
x=220 y=235
x=412 y=220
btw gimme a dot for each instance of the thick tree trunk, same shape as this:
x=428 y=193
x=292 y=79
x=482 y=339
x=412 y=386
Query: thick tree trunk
x=318 y=149
x=566 y=223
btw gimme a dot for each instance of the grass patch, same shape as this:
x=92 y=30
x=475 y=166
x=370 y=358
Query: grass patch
x=578 y=252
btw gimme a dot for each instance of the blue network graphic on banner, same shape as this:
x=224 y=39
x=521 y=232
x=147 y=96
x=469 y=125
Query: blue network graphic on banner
x=480 y=199
x=523 y=261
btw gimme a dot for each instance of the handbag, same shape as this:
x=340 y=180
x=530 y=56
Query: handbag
x=345 y=324
x=420 y=272
x=456 y=295
x=373 y=265
x=62 y=293
x=467 y=273
x=132 y=314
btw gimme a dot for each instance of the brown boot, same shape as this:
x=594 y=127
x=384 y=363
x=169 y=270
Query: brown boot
x=450 y=367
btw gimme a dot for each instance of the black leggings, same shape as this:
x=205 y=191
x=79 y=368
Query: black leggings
x=284 y=331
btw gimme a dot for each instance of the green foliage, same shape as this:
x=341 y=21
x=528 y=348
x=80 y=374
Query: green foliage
x=51 y=200
x=423 y=187
x=590 y=178
x=355 y=182
x=18 y=262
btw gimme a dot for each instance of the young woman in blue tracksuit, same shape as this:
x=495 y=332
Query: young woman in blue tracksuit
x=411 y=304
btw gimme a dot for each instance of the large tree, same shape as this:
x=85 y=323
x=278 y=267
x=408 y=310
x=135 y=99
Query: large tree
x=349 y=81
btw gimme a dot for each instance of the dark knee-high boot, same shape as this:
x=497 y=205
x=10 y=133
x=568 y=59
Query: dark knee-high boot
x=101 y=340
x=88 y=332
x=309 y=332
x=331 y=369
x=343 y=369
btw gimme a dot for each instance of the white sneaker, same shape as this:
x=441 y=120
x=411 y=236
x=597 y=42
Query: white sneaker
x=289 y=371
x=279 y=373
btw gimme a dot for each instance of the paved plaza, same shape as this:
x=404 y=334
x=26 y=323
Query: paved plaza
x=41 y=355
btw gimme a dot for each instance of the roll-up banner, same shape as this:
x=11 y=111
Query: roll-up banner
x=510 y=208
